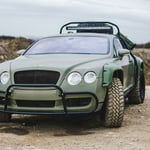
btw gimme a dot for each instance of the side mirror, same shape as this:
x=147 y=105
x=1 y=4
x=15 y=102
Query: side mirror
x=123 y=52
x=20 y=52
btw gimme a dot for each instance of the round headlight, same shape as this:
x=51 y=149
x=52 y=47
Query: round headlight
x=90 y=77
x=4 y=78
x=74 y=78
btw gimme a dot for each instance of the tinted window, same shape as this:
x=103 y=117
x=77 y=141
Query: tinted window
x=73 y=44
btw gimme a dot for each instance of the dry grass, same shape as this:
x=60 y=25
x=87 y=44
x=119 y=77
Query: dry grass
x=145 y=55
x=9 y=47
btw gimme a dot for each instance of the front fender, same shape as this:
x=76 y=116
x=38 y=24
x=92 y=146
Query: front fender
x=108 y=73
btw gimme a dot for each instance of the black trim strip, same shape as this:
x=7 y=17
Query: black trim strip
x=3 y=92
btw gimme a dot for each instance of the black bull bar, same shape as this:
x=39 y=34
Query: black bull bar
x=62 y=94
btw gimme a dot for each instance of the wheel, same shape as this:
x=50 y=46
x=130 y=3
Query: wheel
x=113 y=110
x=138 y=94
x=5 y=117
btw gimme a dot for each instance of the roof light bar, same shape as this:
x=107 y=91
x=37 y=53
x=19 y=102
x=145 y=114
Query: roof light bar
x=92 y=26
x=87 y=28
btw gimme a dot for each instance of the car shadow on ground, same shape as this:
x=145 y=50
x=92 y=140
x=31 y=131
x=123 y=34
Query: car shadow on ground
x=56 y=125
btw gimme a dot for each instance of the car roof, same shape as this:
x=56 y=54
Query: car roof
x=109 y=36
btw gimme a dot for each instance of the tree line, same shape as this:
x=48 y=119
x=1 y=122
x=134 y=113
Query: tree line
x=146 y=45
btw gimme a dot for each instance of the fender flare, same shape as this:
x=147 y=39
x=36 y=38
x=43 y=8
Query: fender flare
x=110 y=71
x=140 y=65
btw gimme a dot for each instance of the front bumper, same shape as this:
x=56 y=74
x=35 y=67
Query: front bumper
x=46 y=99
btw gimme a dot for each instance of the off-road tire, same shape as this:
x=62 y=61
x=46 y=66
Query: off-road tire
x=138 y=94
x=5 y=117
x=114 y=105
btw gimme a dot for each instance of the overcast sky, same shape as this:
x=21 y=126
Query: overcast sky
x=44 y=17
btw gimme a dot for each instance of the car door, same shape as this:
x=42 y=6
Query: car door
x=127 y=63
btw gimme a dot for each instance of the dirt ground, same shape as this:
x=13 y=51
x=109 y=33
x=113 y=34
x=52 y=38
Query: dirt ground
x=78 y=133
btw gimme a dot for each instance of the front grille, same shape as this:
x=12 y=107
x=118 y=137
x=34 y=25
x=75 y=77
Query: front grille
x=31 y=103
x=36 y=77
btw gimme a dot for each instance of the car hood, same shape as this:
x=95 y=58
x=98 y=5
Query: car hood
x=54 y=62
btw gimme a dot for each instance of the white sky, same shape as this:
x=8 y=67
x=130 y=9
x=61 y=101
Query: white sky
x=44 y=17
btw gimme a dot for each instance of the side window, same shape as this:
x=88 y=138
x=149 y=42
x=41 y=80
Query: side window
x=117 y=46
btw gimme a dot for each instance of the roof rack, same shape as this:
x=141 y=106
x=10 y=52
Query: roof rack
x=91 y=27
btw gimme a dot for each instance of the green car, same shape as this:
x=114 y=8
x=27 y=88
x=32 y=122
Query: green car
x=87 y=68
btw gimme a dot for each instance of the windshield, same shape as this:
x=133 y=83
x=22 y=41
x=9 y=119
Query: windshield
x=71 y=44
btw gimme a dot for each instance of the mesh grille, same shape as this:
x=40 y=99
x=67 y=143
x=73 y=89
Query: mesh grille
x=36 y=77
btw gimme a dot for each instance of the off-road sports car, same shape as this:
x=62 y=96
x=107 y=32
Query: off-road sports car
x=87 y=68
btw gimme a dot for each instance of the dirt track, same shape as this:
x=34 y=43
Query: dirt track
x=78 y=133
